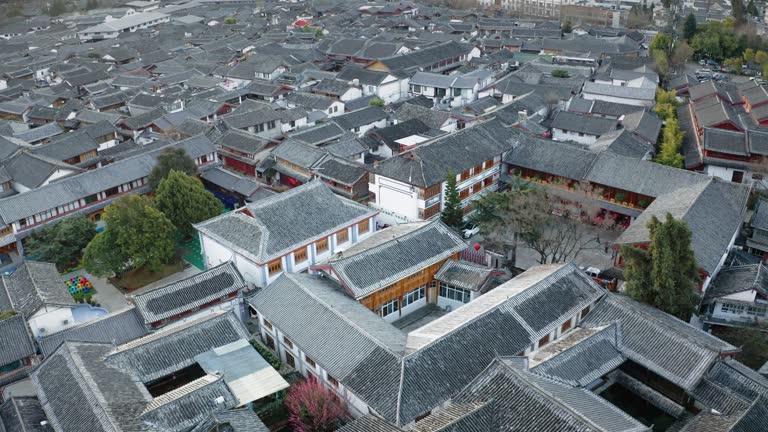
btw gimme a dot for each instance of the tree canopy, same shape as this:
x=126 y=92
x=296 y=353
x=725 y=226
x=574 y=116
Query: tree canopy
x=313 y=408
x=665 y=275
x=689 y=26
x=63 y=242
x=452 y=215
x=171 y=159
x=137 y=234
x=184 y=201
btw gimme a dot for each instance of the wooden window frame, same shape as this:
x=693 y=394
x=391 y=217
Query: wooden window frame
x=342 y=236
x=566 y=326
x=322 y=245
x=300 y=255
x=290 y=360
x=287 y=342
x=479 y=168
x=275 y=267
x=270 y=343
x=309 y=361
x=267 y=324
x=364 y=224
x=333 y=381
x=544 y=341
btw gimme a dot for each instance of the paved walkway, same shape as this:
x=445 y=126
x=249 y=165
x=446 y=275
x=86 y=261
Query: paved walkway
x=107 y=294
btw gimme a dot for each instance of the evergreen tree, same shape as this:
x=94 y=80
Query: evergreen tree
x=665 y=275
x=567 y=27
x=739 y=11
x=452 y=215
x=752 y=8
x=62 y=242
x=57 y=8
x=137 y=234
x=689 y=27
x=184 y=201
x=171 y=159
x=671 y=144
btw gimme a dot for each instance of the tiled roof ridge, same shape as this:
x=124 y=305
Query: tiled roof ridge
x=344 y=318
x=211 y=270
x=190 y=387
x=152 y=337
x=557 y=273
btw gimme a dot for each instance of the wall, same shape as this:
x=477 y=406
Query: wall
x=395 y=196
x=563 y=135
x=52 y=320
x=626 y=101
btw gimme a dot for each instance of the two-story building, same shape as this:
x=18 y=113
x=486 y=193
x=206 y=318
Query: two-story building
x=287 y=232
x=393 y=272
x=737 y=296
x=411 y=185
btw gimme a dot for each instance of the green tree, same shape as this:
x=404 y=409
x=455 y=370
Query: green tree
x=761 y=57
x=560 y=73
x=171 y=159
x=567 y=27
x=57 y=8
x=671 y=145
x=661 y=41
x=62 y=242
x=689 y=27
x=749 y=55
x=103 y=258
x=660 y=63
x=376 y=102
x=752 y=8
x=184 y=201
x=764 y=70
x=733 y=63
x=665 y=275
x=230 y=20
x=137 y=234
x=452 y=215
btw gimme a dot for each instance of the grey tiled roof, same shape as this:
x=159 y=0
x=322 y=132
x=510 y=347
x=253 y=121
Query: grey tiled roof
x=231 y=181
x=713 y=210
x=387 y=263
x=17 y=343
x=760 y=218
x=186 y=406
x=284 y=222
x=663 y=344
x=463 y=274
x=369 y=423
x=340 y=170
x=503 y=324
x=80 y=186
x=188 y=294
x=587 y=124
x=79 y=392
x=23 y=414
x=34 y=285
x=730 y=280
x=359 y=118
x=428 y=164
x=366 y=349
x=586 y=361
x=115 y=328
x=239 y=420
x=518 y=394
x=167 y=351
x=644 y=124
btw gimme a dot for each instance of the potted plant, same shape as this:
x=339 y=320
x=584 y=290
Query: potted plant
x=619 y=197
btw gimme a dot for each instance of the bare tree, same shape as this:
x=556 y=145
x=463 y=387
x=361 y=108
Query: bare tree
x=556 y=229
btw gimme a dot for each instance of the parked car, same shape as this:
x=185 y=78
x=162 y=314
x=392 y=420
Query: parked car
x=470 y=230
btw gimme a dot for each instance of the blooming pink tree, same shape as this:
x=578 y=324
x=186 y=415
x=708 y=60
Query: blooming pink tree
x=314 y=408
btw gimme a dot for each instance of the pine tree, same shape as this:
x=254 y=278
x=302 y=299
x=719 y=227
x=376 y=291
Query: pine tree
x=665 y=275
x=452 y=215
x=171 y=159
x=671 y=143
x=689 y=28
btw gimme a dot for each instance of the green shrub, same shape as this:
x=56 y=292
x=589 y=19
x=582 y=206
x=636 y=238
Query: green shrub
x=267 y=355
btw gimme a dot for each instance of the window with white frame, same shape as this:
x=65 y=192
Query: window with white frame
x=414 y=296
x=757 y=310
x=733 y=308
x=453 y=293
x=390 y=307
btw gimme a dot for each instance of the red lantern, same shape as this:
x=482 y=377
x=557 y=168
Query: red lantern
x=476 y=246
